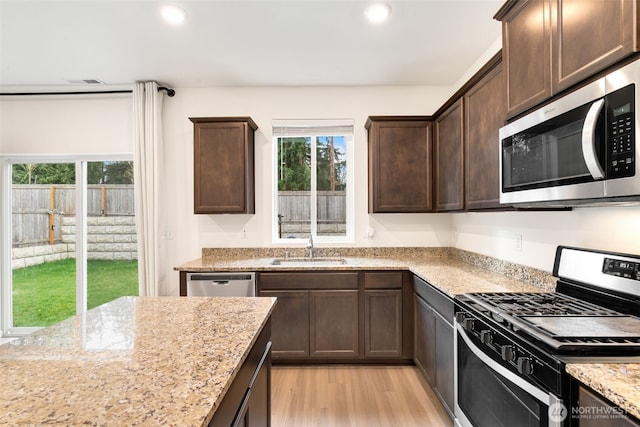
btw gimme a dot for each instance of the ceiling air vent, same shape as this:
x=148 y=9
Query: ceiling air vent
x=86 y=82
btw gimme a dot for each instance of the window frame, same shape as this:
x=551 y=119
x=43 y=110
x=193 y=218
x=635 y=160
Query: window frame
x=6 y=269
x=348 y=237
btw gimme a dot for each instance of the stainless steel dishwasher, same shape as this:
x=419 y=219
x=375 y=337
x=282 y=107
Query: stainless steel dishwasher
x=221 y=284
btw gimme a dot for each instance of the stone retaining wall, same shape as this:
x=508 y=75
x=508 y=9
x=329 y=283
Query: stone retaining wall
x=108 y=238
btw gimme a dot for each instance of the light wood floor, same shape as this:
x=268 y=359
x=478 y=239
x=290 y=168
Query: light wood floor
x=353 y=396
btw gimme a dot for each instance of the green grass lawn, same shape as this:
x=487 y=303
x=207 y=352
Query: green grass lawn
x=45 y=294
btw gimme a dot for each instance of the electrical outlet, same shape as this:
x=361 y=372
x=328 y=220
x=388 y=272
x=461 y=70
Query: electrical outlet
x=518 y=244
x=243 y=234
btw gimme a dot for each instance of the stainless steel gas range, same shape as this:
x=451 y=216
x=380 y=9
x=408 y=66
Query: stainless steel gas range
x=511 y=348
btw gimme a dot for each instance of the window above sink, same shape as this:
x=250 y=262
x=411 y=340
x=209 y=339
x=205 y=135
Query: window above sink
x=313 y=182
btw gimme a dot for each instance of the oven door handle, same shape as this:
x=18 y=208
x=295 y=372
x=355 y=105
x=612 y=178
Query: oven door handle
x=546 y=398
x=589 y=140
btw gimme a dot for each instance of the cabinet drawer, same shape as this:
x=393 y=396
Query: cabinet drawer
x=436 y=299
x=308 y=280
x=383 y=280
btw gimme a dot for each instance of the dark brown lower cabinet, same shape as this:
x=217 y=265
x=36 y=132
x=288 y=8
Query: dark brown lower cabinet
x=247 y=402
x=444 y=362
x=257 y=412
x=340 y=316
x=592 y=407
x=383 y=323
x=333 y=320
x=316 y=316
x=424 y=331
x=433 y=340
x=290 y=323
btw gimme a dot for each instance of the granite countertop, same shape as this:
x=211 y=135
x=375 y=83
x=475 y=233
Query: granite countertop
x=134 y=361
x=451 y=275
x=452 y=271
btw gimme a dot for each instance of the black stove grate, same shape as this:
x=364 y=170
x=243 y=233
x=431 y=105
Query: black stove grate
x=539 y=304
x=561 y=321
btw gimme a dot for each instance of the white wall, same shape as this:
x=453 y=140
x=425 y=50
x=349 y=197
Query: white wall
x=495 y=234
x=79 y=126
x=192 y=232
x=86 y=124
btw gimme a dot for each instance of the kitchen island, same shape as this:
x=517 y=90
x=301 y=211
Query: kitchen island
x=134 y=361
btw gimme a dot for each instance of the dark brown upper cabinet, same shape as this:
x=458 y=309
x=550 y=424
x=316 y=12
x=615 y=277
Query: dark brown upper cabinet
x=449 y=163
x=485 y=109
x=588 y=36
x=466 y=148
x=400 y=156
x=223 y=165
x=551 y=45
x=526 y=52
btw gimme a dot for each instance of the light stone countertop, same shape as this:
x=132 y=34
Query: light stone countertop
x=452 y=271
x=452 y=276
x=134 y=361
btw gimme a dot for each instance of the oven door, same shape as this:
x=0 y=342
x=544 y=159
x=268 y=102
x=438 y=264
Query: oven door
x=490 y=395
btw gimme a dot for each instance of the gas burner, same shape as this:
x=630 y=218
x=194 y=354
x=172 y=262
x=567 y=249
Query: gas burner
x=537 y=304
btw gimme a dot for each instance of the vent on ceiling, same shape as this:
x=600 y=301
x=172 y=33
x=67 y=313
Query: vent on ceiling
x=86 y=82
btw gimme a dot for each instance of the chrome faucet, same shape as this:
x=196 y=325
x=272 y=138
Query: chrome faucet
x=310 y=247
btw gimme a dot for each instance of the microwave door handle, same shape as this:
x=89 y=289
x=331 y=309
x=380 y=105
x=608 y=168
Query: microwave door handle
x=589 y=140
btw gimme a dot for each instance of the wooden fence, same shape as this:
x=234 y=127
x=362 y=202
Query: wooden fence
x=37 y=209
x=294 y=208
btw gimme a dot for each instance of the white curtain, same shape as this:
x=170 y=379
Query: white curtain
x=147 y=123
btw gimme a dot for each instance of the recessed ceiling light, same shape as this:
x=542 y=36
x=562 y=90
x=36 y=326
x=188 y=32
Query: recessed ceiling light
x=173 y=14
x=378 y=12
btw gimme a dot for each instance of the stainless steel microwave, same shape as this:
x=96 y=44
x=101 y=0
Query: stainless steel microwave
x=580 y=149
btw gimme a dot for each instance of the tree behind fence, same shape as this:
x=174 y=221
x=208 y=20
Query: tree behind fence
x=31 y=206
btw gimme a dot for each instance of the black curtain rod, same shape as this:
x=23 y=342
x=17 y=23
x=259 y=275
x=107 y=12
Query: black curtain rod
x=170 y=92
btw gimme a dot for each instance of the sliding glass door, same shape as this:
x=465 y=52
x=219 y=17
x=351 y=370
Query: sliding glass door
x=72 y=239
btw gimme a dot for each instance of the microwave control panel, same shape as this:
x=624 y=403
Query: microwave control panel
x=621 y=159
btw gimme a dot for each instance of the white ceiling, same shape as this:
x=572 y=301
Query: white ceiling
x=241 y=43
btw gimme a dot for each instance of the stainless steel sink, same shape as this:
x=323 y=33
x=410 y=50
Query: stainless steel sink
x=309 y=262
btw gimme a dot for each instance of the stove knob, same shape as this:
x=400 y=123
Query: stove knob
x=468 y=324
x=525 y=367
x=507 y=353
x=460 y=316
x=486 y=337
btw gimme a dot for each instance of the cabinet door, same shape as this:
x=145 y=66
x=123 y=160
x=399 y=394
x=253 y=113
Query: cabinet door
x=444 y=363
x=595 y=405
x=526 y=54
x=289 y=324
x=333 y=321
x=424 y=338
x=383 y=323
x=589 y=35
x=259 y=411
x=485 y=112
x=223 y=165
x=400 y=166
x=449 y=173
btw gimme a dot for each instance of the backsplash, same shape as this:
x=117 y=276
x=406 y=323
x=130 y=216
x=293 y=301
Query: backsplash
x=536 y=277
